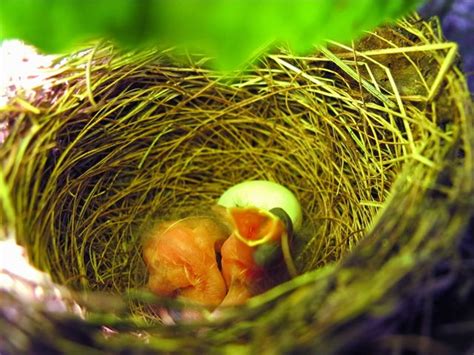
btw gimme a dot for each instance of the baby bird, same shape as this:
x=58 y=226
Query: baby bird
x=211 y=260
x=181 y=260
x=243 y=275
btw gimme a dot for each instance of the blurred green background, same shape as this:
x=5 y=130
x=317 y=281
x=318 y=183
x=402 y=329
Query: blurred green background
x=231 y=31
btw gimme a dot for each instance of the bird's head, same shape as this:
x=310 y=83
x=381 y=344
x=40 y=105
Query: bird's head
x=266 y=232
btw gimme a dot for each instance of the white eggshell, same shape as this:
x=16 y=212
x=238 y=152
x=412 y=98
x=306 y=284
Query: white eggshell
x=265 y=195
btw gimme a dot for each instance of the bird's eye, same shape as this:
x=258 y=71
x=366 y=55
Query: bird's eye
x=219 y=260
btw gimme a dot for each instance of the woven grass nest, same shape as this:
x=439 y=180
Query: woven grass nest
x=375 y=140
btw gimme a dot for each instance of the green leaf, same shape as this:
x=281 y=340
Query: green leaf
x=232 y=31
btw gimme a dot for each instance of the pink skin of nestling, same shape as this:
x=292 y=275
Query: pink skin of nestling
x=182 y=257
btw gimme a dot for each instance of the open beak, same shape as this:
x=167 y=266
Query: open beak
x=267 y=233
x=254 y=226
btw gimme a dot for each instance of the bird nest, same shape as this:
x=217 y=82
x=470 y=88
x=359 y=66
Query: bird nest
x=375 y=140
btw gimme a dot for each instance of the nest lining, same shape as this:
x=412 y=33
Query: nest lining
x=122 y=140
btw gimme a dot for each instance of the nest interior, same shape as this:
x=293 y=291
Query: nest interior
x=372 y=138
